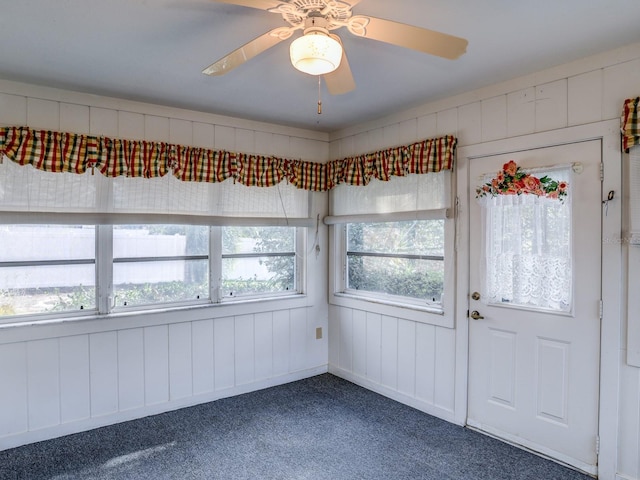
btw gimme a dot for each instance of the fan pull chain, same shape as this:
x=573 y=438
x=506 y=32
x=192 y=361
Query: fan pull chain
x=319 y=98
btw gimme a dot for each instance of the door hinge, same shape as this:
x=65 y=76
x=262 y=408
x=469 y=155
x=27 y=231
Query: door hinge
x=597 y=444
x=602 y=172
x=600 y=309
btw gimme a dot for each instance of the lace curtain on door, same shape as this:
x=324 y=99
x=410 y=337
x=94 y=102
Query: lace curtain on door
x=527 y=251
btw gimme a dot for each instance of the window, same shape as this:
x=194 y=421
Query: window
x=47 y=268
x=124 y=260
x=398 y=259
x=393 y=244
x=258 y=260
x=160 y=264
x=527 y=257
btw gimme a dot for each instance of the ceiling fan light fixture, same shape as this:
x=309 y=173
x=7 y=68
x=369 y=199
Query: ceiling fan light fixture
x=315 y=53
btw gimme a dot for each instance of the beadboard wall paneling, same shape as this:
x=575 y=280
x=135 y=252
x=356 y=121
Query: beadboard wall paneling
x=409 y=361
x=629 y=457
x=71 y=376
x=84 y=381
x=49 y=114
x=415 y=363
x=426 y=372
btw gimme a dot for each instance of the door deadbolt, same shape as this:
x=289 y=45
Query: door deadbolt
x=475 y=295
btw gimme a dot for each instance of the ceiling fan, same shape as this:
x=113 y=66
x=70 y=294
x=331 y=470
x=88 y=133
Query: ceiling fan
x=319 y=52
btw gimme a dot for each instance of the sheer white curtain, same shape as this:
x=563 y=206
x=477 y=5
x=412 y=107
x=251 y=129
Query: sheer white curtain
x=527 y=255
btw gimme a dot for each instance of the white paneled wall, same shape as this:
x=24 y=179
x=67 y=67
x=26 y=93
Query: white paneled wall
x=425 y=365
x=71 y=376
x=629 y=458
x=575 y=94
x=60 y=379
x=409 y=361
x=39 y=109
x=70 y=383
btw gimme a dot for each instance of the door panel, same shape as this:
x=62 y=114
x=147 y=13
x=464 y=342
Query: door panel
x=551 y=379
x=533 y=372
x=502 y=379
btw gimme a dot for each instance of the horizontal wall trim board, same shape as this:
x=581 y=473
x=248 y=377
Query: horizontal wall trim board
x=63 y=327
x=15 y=218
x=438 y=214
x=413 y=313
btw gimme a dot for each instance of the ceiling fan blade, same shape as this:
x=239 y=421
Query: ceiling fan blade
x=341 y=79
x=416 y=38
x=248 y=51
x=260 y=4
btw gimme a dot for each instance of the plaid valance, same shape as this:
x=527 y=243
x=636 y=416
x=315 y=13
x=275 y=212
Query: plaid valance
x=73 y=153
x=630 y=123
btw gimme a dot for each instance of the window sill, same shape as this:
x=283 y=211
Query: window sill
x=407 y=311
x=32 y=328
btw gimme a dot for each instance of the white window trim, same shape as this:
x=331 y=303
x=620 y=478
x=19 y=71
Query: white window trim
x=160 y=315
x=105 y=306
x=393 y=306
x=216 y=266
x=51 y=218
x=436 y=214
x=104 y=269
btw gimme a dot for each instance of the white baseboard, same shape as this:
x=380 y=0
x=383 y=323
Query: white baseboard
x=443 y=413
x=48 y=433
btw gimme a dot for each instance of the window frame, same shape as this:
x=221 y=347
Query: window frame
x=104 y=262
x=80 y=312
x=392 y=305
x=488 y=234
x=392 y=298
x=114 y=307
x=299 y=273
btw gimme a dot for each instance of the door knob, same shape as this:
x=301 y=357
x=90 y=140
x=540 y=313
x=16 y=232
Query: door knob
x=476 y=315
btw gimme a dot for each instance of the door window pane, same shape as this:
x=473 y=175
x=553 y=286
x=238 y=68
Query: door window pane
x=528 y=261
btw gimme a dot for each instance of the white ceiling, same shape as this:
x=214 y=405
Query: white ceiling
x=154 y=51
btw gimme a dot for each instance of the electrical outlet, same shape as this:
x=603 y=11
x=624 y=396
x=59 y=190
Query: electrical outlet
x=318 y=333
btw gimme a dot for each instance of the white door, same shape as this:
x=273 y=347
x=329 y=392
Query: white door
x=536 y=262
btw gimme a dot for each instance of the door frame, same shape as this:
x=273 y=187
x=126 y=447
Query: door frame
x=609 y=134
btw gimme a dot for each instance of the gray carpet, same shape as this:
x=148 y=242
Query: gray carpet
x=318 y=428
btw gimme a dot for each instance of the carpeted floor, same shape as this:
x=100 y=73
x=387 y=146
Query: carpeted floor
x=318 y=428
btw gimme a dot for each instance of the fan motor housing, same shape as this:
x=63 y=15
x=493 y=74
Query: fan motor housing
x=297 y=12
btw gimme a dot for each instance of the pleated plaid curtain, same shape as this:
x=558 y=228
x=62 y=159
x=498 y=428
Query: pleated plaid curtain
x=44 y=150
x=630 y=124
x=72 y=153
